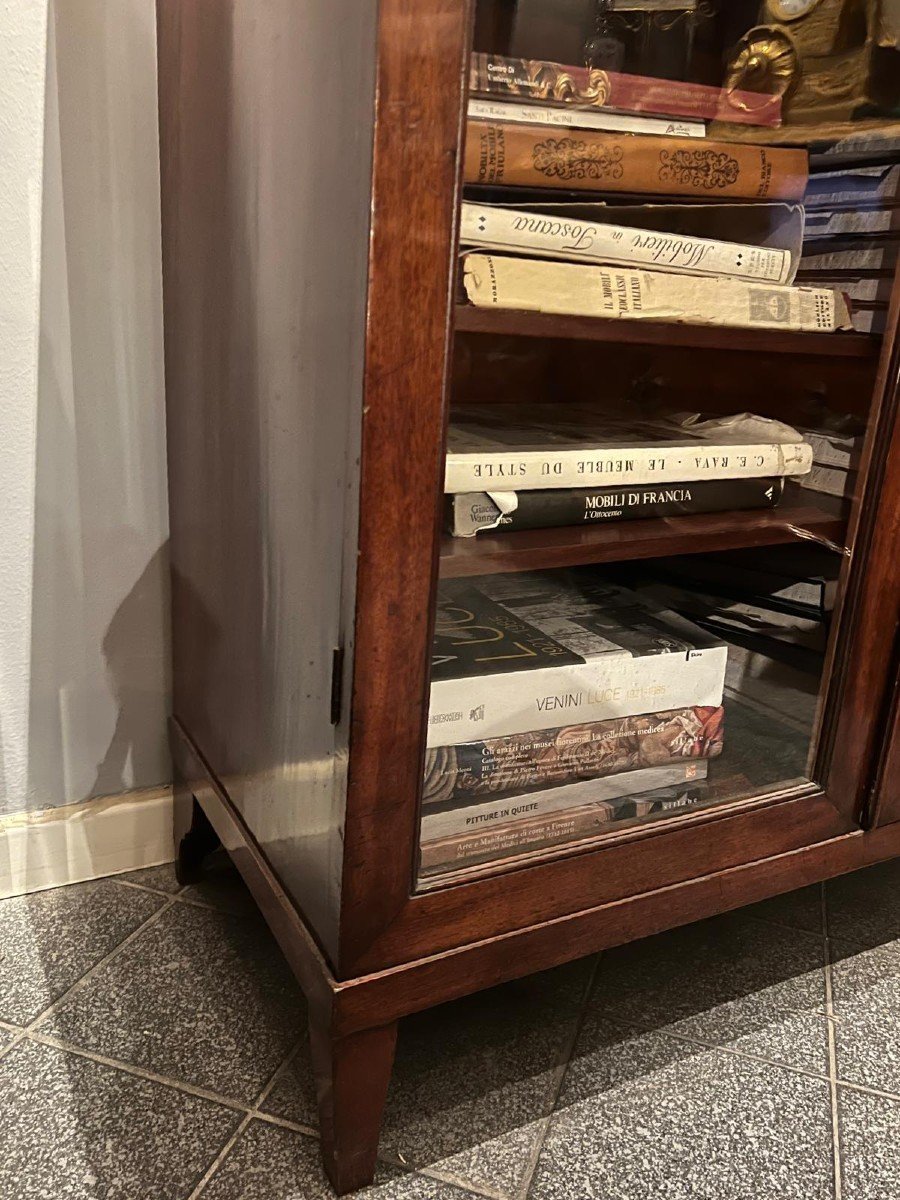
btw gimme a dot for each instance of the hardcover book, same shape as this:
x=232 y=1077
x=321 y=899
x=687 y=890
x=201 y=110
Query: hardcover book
x=586 y=87
x=865 y=185
x=834 y=449
x=456 y=817
x=546 y=758
x=582 y=118
x=537 y=157
x=830 y=481
x=546 y=449
x=620 y=293
x=469 y=513
x=530 y=651
x=550 y=236
x=504 y=839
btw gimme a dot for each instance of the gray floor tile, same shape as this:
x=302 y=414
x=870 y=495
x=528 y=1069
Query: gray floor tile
x=801 y=909
x=642 y=1115
x=473 y=1080
x=270 y=1163
x=734 y=981
x=48 y=940
x=870 y=1135
x=76 y=1130
x=204 y=997
x=160 y=879
x=866 y=990
x=294 y=1094
x=864 y=907
x=6 y=1036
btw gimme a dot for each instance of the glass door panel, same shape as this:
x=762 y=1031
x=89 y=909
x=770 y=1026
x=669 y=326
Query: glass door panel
x=678 y=242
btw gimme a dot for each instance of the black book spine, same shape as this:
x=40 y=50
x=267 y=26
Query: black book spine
x=577 y=506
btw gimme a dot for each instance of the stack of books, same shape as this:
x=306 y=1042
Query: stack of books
x=561 y=705
x=835 y=466
x=853 y=224
x=546 y=467
x=539 y=133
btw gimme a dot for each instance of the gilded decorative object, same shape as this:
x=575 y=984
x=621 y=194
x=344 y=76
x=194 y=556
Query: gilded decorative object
x=835 y=43
x=791 y=10
x=764 y=61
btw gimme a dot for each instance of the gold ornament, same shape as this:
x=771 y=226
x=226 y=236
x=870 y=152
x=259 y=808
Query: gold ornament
x=764 y=61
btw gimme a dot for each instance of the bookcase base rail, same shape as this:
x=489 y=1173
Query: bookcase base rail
x=353 y=1021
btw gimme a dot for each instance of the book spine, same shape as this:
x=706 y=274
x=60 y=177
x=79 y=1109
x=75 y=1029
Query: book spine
x=497 y=768
x=464 y=818
x=472 y=512
x=517 y=837
x=511 y=838
x=531 y=79
x=831 y=481
x=582 y=118
x=576 y=289
x=529 y=156
x=833 y=451
x=592 y=241
x=865 y=221
x=477 y=708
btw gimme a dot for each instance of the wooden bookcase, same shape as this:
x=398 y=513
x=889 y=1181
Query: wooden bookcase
x=310 y=162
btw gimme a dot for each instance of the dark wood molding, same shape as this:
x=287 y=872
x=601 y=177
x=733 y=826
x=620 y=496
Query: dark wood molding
x=884 y=808
x=421 y=70
x=498 y=322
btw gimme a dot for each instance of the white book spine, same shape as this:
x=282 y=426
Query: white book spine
x=577 y=289
x=595 y=242
x=602 y=689
x=469 y=818
x=573 y=118
x=527 y=470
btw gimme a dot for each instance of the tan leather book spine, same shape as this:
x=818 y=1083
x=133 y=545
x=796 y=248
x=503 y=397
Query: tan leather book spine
x=530 y=156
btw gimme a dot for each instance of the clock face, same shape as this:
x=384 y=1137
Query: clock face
x=790 y=10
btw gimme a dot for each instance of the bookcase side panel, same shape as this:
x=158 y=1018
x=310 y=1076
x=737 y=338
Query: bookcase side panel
x=266 y=141
x=885 y=809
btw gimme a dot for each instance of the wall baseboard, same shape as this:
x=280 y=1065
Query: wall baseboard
x=99 y=837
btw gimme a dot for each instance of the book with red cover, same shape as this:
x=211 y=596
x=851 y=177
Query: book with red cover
x=588 y=87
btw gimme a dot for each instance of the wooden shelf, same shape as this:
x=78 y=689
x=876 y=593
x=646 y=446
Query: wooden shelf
x=509 y=322
x=536 y=549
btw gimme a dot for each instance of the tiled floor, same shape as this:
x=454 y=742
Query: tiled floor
x=153 y=1047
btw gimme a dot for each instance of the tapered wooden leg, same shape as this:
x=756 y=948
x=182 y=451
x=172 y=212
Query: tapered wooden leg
x=352 y=1078
x=195 y=838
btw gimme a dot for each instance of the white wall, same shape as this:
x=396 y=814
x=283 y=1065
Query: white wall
x=83 y=646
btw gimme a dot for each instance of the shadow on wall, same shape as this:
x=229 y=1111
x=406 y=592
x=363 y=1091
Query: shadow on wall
x=99 y=637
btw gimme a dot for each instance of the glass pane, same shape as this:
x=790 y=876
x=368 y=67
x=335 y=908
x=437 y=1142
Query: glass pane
x=678 y=236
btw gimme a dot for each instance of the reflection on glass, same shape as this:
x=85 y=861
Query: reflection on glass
x=678 y=233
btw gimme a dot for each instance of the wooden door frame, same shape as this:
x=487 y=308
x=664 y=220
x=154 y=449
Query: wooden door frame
x=423 y=48
x=885 y=806
x=420 y=114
